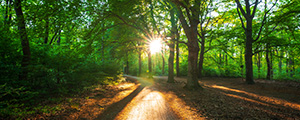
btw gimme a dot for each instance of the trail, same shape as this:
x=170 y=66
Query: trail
x=145 y=103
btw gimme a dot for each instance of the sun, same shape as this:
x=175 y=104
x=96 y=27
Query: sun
x=155 y=46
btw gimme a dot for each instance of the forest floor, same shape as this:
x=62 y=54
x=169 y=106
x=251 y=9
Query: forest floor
x=221 y=98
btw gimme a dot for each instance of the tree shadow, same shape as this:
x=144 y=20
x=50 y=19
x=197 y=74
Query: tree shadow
x=113 y=110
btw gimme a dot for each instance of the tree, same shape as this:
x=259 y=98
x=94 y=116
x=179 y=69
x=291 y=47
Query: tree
x=248 y=30
x=172 y=45
x=24 y=40
x=190 y=26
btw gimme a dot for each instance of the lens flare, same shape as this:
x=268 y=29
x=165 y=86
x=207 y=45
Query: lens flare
x=155 y=46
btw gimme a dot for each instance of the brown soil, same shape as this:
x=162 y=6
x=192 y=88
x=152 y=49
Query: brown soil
x=231 y=98
x=221 y=98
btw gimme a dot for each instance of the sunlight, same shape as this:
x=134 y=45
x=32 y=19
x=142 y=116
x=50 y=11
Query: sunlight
x=266 y=99
x=155 y=45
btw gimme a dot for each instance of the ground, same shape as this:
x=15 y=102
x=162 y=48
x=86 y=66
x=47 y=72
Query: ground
x=221 y=98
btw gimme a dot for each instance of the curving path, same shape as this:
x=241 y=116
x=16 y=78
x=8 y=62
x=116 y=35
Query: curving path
x=145 y=103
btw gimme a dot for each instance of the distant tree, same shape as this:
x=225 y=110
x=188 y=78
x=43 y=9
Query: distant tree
x=24 y=40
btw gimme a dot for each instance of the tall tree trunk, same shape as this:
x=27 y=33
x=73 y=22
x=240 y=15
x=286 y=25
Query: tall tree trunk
x=287 y=66
x=226 y=60
x=171 y=47
x=258 y=64
x=201 y=56
x=7 y=16
x=46 y=31
x=248 y=53
x=163 y=61
x=59 y=38
x=127 y=67
x=177 y=54
x=271 y=61
x=102 y=49
x=279 y=61
x=24 y=40
x=249 y=39
x=291 y=65
x=191 y=31
x=149 y=64
x=268 y=63
x=140 y=62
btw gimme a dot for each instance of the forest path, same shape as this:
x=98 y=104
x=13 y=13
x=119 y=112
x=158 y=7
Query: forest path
x=144 y=103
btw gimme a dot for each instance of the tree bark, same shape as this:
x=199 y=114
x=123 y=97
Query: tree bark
x=201 y=57
x=269 y=67
x=291 y=66
x=177 y=54
x=258 y=64
x=127 y=67
x=249 y=38
x=287 y=66
x=279 y=61
x=46 y=31
x=163 y=60
x=171 y=47
x=7 y=16
x=149 y=64
x=248 y=53
x=193 y=48
x=140 y=63
x=24 y=40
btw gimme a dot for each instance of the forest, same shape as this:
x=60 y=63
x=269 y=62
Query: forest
x=200 y=59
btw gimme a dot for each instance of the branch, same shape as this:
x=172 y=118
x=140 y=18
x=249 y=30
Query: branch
x=263 y=22
x=125 y=22
x=182 y=42
x=241 y=18
x=248 y=8
x=254 y=9
x=182 y=19
x=240 y=7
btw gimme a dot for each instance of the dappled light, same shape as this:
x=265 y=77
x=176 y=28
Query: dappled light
x=148 y=105
x=269 y=101
x=149 y=59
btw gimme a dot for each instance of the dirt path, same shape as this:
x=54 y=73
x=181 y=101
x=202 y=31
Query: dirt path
x=149 y=104
x=155 y=99
x=145 y=103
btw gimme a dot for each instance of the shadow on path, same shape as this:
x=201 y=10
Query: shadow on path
x=112 y=111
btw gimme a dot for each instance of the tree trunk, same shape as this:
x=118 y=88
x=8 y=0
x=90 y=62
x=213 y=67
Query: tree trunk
x=191 y=32
x=24 y=40
x=163 y=61
x=258 y=64
x=177 y=54
x=59 y=38
x=291 y=64
x=102 y=49
x=46 y=31
x=268 y=63
x=171 y=63
x=287 y=66
x=279 y=62
x=192 y=80
x=248 y=53
x=171 y=47
x=7 y=16
x=201 y=56
x=127 y=67
x=149 y=64
x=140 y=63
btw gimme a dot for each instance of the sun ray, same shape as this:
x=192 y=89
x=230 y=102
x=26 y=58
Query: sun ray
x=155 y=45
